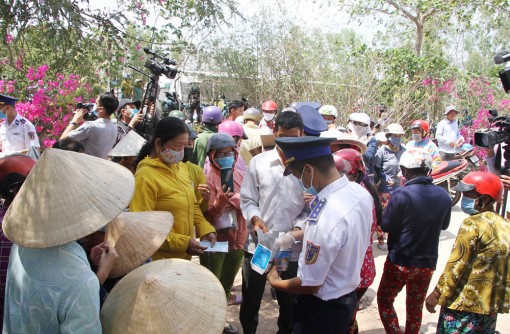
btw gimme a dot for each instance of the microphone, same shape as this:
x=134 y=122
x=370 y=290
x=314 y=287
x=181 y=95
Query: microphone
x=502 y=57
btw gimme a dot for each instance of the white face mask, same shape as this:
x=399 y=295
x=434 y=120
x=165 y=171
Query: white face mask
x=359 y=130
x=268 y=116
x=416 y=137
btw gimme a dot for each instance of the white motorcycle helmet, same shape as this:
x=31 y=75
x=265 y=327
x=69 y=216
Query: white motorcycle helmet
x=328 y=110
x=395 y=129
x=415 y=158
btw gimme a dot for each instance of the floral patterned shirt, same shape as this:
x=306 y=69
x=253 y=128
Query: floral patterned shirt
x=477 y=276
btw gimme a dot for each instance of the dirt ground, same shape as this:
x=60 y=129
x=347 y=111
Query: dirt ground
x=368 y=318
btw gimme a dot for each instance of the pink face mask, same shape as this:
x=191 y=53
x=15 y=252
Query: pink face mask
x=172 y=157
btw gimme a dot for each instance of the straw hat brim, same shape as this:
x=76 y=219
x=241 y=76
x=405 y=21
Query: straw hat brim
x=136 y=236
x=67 y=196
x=345 y=139
x=166 y=296
x=129 y=146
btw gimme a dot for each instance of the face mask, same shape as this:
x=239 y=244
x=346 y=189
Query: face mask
x=329 y=122
x=468 y=205
x=172 y=157
x=395 y=141
x=188 y=154
x=133 y=112
x=311 y=190
x=359 y=130
x=416 y=137
x=226 y=162
x=268 y=116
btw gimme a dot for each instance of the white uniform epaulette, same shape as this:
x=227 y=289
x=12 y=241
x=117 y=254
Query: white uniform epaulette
x=317 y=206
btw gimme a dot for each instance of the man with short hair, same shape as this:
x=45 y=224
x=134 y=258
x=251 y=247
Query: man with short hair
x=271 y=202
x=335 y=239
x=448 y=135
x=97 y=137
x=235 y=109
x=17 y=134
x=128 y=117
x=253 y=145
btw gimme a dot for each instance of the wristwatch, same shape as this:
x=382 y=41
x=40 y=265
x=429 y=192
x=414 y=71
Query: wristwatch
x=73 y=123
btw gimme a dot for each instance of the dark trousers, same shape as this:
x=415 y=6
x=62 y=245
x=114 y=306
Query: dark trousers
x=446 y=156
x=314 y=315
x=253 y=290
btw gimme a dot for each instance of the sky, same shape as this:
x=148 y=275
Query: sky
x=324 y=14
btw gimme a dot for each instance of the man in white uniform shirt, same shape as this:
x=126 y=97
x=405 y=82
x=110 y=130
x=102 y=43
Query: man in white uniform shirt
x=335 y=239
x=272 y=203
x=17 y=134
x=448 y=135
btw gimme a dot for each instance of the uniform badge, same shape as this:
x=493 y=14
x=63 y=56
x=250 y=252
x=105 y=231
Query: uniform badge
x=317 y=206
x=31 y=135
x=16 y=122
x=312 y=252
x=23 y=121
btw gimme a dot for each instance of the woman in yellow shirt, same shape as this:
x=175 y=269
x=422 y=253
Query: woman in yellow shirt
x=163 y=183
x=473 y=288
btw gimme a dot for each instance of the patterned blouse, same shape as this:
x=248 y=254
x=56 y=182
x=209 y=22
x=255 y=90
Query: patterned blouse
x=477 y=276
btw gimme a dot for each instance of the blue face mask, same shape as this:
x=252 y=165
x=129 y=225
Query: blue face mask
x=468 y=205
x=226 y=162
x=395 y=141
x=311 y=190
x=133 y=112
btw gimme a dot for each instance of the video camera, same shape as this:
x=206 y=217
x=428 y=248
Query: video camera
x=167 y=68
x=89 y=116
x=491 y=138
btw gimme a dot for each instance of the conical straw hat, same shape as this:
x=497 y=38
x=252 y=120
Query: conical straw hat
x=166 y=296
x=344 y=138
x=129 y=146
x=136 y=236
x=67 y=196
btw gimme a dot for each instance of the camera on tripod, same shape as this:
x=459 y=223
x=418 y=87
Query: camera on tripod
x=89 y=115
x=166 y=68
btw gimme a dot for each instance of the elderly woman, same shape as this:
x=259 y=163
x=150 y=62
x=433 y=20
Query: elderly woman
x=163 y=183
x=473 y=287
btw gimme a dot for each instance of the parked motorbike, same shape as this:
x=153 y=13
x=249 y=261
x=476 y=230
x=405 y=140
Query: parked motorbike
x=448 y=175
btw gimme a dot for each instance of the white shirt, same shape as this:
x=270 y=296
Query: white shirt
x=446 y=133
x=275 y=198
x=337 y=235
x=19 y=135
x=98 y=137
x=264 y=128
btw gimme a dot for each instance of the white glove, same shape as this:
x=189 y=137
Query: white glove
x=284 y=242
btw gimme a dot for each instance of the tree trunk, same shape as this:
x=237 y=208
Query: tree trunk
x=419 y=37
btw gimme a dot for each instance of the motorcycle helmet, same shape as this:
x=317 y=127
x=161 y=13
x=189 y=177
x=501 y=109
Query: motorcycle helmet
x=252 y=114
x=421 y=124
x=415 y=158
x=232 y=128
x=360 y=117
x=485 y=183
x=212 y=115
x=395 y=129
x=328 y=110
x=220 y=140
x=192 y=132
x=349 y=161
x=269 y=106
x=466 y=147
x=177 y=113
x=14 y=170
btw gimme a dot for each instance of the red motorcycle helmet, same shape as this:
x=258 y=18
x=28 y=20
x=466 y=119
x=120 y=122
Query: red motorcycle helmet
x=349 y=161
x=14 y=170
x=269 y=106
x=485 y=183
x=421 y=124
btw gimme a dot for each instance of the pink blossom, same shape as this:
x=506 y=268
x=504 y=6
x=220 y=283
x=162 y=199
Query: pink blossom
x=49 y=142
x=138 y=47
x=8 y=38
x=10 y=86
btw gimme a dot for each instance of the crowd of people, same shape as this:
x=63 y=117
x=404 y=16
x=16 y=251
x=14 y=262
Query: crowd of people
x=266 y=181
